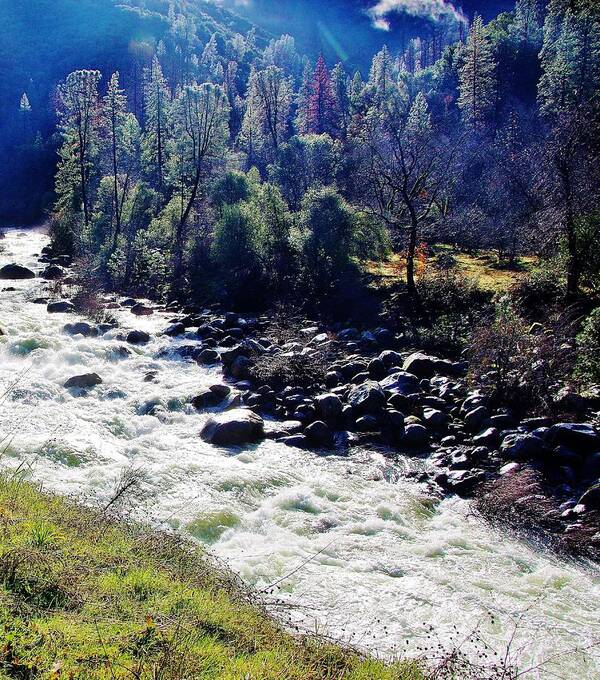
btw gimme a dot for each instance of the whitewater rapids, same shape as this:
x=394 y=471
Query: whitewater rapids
x=383 y=561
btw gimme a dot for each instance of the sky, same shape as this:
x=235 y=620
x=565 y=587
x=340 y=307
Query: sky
x=351 y=30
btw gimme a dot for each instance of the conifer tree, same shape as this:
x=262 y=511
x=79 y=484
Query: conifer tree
x=321 y=102
x=115 y=111
x=79 y=109
x=477 y=78
x=158 y=104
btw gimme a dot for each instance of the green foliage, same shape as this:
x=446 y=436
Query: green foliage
x=541 y=290
x=588 y=344
x=329 y=233
x=75 y=602
x=587 y=229
x=233 y=188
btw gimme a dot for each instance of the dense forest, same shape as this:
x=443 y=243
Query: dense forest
x=203 y=161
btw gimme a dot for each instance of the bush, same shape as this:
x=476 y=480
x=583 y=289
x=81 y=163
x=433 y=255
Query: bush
x=538 y=292
x=588 y=345
x=443 y=314
x=329 y=231
x=521 y=366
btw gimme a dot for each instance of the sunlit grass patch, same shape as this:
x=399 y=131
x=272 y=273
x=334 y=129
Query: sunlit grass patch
x=86 y=597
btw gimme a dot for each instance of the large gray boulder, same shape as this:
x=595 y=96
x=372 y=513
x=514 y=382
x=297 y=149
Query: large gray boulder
x=366 y=398
x=523 y=447
x=233 y=428
x=85 y=380
x=60 y=307
x=577 y=436
x=426 y=366
x=401 y=382
x=329 y=407
x=15 y=272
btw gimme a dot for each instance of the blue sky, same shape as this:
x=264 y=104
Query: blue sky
x=352 y=30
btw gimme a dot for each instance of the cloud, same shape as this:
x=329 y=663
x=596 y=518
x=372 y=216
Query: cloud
x=434 y=10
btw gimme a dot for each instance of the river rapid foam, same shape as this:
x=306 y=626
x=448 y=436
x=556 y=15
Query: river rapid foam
x=383 y=561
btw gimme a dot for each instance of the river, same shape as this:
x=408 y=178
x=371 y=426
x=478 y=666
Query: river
x=383 y=561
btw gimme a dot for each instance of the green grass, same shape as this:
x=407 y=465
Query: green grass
x=87 y=597
x=482 y=267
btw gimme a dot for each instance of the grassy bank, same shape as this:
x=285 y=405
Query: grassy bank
x=480 y=267
x=85 y=596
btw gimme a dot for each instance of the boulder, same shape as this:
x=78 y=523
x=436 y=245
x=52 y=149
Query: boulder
x=590 y=469
x=366 y=398
x=318 y=434
x=523 y=447
x=489 y=437
x=207 y=399
x=208 y=356
x=140 y=309
x=391 y=359
x=401 y=382
x=53 y=272
x=475 y=419
x=138 y=337
x=329 y=407
x=464 y=482
x=415 y=436
x=435 y=418
x=61 y=307
x=80 y=328
x=233 y=428
x=174 y=330
x=426 y=366
x=591 y=498
x=16 y=272
x=85 y=380
x=579 y=437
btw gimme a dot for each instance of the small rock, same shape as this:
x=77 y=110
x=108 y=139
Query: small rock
x=85 y=380
x=138 y=337
x=208 y=356
x=61 y=307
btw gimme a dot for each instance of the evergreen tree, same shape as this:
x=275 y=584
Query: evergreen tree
x=477 y=78
x=115 y=111
x=341 y=95
x=158 y=104
x=79 y=108
x=381 y=76
x=321 y=102
x=302 y=100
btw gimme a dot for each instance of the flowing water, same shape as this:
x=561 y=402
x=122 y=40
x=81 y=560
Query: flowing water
x=381 y=560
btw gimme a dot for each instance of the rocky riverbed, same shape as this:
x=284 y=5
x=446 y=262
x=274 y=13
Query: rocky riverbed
x=336 y=448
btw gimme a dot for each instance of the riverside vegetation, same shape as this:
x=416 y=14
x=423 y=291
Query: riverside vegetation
x=257 y=195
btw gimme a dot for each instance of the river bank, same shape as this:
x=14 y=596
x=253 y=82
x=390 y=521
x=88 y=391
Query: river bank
x=386 y=559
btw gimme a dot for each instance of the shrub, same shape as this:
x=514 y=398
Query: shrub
x=588 y=345
x=541 y=290
x=443 y=313
x=521 y=366
x=329 y=230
